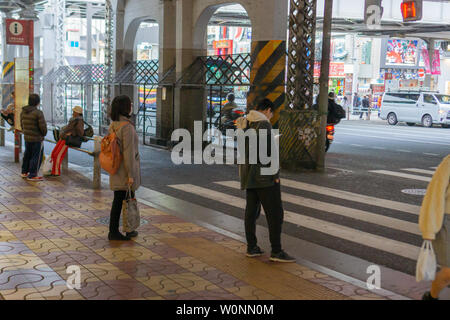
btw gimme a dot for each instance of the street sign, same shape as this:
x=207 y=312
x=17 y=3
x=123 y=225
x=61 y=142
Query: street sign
x=421 y=73
x=19 y=32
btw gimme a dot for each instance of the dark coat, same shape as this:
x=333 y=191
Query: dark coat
x=250 y=174
x=75 y=127
x=34 y=126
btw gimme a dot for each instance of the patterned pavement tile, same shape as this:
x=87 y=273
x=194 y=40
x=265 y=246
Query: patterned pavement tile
x=191 y=264
x=192 y=282
x=167 y=251
x=179 y=227
x=106 y=271
x=22 y=294
x=251 y=293
x=6 y=236
x=221 y=279
x=131 y=288
x=86 y=257
x=24 y=262
x=9 y=248
x=98 y=290
x=162 y=285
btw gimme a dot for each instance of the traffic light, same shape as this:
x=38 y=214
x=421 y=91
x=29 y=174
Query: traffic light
x=412 y=10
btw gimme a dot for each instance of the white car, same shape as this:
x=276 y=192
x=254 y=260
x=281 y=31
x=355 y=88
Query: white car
x=415 y=107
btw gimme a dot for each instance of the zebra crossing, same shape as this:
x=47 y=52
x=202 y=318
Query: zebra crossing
x=424 y=175
x=352 y=234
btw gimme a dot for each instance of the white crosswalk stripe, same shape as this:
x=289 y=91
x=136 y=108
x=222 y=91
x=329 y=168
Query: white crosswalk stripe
x=343 y=211
x=402 y=175
x=419 y=171
x=355 y=197
x=350 y=234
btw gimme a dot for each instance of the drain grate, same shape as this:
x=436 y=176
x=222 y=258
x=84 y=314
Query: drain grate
x=105 y=221
x=415 y=192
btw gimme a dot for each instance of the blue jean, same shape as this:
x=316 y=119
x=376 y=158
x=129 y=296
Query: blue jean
x=32 y=158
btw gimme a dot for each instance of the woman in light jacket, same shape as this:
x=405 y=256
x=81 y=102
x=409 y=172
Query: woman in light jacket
x=434 y=222
x=129 y=173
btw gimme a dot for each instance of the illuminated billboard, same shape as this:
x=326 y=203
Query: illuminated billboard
x=400 y=53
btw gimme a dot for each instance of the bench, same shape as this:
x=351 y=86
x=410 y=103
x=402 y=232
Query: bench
x=96 y=179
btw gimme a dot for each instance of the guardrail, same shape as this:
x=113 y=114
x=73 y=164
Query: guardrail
x=96 y=176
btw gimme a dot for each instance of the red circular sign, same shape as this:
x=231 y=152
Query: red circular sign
x=421 y=73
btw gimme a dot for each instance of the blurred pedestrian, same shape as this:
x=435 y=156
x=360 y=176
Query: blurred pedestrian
x=434 y=222
x=128 y=177
x=34 y=128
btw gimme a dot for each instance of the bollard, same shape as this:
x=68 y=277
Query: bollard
x=2 y=133
x=96 y=175
x=65 y=163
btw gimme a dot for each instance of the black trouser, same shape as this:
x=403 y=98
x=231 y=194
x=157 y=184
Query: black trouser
x=116 y=210
x=270 y=199
x=8 y=118
x=32 y=158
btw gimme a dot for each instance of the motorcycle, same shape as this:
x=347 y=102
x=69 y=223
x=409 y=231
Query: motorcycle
x=230 y=124
x=330 y=136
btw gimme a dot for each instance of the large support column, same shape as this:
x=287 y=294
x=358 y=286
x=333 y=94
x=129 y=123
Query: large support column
x=300 y=123
x=167 y=58
x=89 y=108
x=109 y=63
x=190 y=103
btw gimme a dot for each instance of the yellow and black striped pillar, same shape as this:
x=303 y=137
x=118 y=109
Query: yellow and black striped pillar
x=267 y=76
x=8 y=83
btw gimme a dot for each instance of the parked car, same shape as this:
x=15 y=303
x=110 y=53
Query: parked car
x=416 y=107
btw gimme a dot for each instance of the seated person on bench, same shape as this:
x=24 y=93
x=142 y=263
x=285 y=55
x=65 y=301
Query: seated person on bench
x=8 y=113
x=72 y=132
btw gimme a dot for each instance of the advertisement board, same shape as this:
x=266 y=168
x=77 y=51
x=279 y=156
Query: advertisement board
x=22 y=88
x=400 y=53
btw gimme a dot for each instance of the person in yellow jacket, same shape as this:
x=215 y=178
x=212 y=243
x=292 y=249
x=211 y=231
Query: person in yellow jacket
x=434 y=222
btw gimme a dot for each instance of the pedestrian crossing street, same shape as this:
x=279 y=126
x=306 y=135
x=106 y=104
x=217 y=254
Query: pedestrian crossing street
x=357 y=236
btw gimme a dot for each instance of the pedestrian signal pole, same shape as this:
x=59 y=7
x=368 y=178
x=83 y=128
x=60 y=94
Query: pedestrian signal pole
x=323 y=80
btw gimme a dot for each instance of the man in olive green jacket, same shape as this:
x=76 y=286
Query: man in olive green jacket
x=34 y=129
x=262 y=187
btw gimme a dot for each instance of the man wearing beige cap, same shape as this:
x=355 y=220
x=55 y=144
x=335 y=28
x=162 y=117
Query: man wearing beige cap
x=72 y=132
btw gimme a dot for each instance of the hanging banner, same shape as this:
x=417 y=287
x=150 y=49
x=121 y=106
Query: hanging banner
x=435 y=69
x=19 y=32
x=337 y=69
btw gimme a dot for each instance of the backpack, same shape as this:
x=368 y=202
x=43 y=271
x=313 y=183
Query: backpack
x=340 y=112
x=110 y=155
x=88 y=132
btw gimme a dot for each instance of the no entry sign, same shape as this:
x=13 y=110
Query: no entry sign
x=19 y=32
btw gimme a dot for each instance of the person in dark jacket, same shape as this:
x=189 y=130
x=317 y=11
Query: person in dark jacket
x=8 y=113
x=365 y=106
x=262 y=189
x=74 y=128
x=34 y=129
x=332 y=110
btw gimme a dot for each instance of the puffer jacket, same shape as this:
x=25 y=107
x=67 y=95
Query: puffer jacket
x=34 y=126
x=130 y=166
x=250 y=174
x=75 y=127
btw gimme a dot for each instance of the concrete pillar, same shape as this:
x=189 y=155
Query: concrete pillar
x=167 y=58
x=269 y=55
x=190 y=102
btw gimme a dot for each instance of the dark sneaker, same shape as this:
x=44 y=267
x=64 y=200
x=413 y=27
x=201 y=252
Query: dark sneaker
x=281 y=257
x=35 y=179
x=255 y=252
x=132 y=234
x=118 y=237
x=427 y=296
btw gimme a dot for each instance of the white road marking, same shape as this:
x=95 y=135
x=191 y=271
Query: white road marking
x=378 y=148
x=391 y=138
x=407 y=151
x=419 y=171
x=355 y=197
x=361 y=215
x=332 y=229
x=402 y=175
x=357 y=145
x=428 y=134
x=431 y=154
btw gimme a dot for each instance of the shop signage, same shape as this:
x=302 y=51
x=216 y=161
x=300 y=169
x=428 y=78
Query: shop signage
x=421 y=73
x=435 y=68
x=388 y=76
x=222 y=44
x=19 y=32
x=336 y=69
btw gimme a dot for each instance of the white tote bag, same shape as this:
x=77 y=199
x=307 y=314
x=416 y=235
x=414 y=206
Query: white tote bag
x=426 y=264
x=47 y=166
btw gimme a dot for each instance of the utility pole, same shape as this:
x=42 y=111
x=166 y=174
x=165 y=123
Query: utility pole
x=324 y=78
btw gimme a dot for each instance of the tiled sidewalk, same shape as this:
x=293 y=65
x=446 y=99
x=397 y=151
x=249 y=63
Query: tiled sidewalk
x=48 y=226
